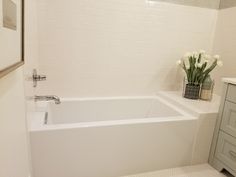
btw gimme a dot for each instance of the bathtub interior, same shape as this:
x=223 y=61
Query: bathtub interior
x=108 y=109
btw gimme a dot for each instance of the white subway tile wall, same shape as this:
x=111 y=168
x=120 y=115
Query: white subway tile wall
x=117 y=47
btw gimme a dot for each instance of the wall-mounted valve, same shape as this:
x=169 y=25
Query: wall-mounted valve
x=37 y=78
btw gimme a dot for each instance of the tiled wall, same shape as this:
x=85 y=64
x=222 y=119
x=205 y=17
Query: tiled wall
x=117 y=47
x=225 y=44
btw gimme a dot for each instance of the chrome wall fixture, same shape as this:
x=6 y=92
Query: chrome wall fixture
x=37 y=78
x=54 y=98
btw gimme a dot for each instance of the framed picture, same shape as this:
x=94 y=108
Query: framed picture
x=11 y=35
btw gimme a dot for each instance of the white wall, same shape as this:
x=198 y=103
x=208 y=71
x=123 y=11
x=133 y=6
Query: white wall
x=14 y=159
x=117 y=47
x=225 y=45
x=14 y=147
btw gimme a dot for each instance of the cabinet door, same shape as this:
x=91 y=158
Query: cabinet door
x=229 y=119
x=226 y=150
x=231 y=93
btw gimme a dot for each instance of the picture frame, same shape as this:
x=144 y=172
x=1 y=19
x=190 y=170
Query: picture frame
x=12 y=34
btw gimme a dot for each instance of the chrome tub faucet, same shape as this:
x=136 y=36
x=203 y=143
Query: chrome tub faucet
x=56 y=99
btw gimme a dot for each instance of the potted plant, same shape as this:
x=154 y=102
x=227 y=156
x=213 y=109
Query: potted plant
x=197 y=67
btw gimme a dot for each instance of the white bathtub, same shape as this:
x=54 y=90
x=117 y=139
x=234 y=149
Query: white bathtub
x=110 y=137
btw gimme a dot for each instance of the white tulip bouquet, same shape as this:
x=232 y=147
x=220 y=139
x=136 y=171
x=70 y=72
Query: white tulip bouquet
x=198 y=65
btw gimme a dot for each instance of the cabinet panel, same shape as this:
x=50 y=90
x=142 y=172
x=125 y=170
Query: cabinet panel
x=226 y=150
x=231 y=94
x=229 y=118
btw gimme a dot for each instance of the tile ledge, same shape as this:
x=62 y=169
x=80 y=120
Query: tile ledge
x=229 y=80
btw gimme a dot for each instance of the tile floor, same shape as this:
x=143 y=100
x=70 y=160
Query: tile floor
x=204 y=170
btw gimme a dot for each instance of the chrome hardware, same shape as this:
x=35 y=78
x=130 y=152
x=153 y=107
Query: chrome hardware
x=56 y=99
x=233 y=154
x=37 y=78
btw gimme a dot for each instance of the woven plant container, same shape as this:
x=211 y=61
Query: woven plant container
x=192 y=91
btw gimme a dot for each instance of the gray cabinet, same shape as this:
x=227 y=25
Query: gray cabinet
x=223 y=150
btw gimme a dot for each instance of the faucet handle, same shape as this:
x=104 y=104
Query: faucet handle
x=37 y=78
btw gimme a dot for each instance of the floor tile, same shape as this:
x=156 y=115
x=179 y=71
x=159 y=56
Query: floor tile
x=204 y=170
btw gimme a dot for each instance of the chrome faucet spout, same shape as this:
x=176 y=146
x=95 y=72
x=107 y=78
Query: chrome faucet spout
x=55 y=98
